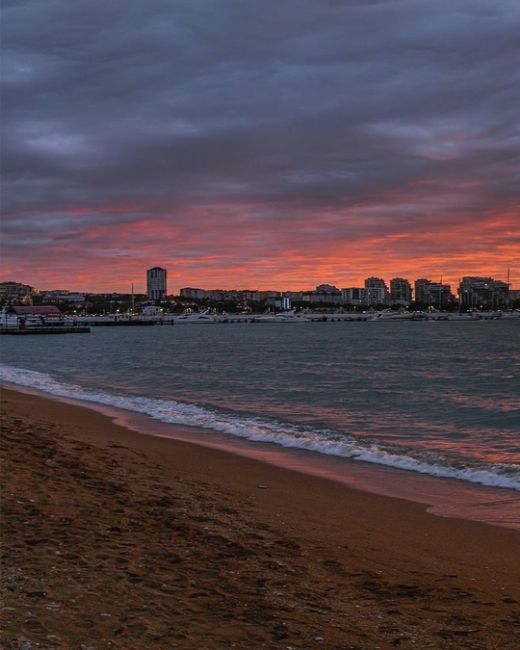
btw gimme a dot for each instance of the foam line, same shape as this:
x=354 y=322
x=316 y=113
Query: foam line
x=263 y=430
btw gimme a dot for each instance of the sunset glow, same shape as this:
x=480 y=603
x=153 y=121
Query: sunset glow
x=240 y=147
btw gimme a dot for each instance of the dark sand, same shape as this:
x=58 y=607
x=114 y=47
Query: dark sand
x=113 y=539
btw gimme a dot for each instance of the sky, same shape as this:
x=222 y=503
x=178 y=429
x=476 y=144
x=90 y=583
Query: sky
x=263 y=144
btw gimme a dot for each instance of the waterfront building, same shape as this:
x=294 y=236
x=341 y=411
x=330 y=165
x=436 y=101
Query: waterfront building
x=327 y=288
x=221 y=295
x=192 y=293
x=63 y=296
x=327 y=293
x=156 y=283
x=376 y=291
x=294 y=296
x=353 y=296
x=434 y=294
x=400 y=291
x=483 y=293
x=15 y=290
x=422 y=290
x=258 y=296
x=227 y=295
x=42 y=311
x=279 y=302
x=286 y=303
x=324 y=294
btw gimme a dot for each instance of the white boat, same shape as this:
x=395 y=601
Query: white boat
x=390 y=314
x=461 y=317
x=513 y=314
x=282 y=317
x=197 y=318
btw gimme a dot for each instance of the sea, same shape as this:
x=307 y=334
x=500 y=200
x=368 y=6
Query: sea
x=425 y=411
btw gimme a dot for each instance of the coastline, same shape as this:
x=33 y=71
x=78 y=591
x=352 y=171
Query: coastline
x=199 y=547
x=447 y=497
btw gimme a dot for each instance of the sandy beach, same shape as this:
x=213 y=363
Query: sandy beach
x=114 y=539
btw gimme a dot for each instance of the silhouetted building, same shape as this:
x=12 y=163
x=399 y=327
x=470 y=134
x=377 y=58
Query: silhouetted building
x=353 y=296
x=376 y=291
x=156 y=283
x=483 y=293
x=192 y=293
x=326 y=294
x=15 y=290
x=229 y=295
x=433 y=294
x=400 y=291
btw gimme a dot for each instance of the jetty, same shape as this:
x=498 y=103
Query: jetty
x=21 y=331
x=104 y=322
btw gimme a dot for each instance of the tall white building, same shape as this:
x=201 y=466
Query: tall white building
x=156 y=283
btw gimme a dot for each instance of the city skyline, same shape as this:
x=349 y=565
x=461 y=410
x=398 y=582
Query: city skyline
x=155 y=279
x=259 y=144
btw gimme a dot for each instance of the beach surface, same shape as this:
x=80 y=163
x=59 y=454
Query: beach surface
x=115 y=539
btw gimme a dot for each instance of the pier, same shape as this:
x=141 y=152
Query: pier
x=17 y=331
x=119 y=323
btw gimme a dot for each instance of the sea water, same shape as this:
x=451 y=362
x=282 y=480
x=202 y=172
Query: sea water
x=438 y=399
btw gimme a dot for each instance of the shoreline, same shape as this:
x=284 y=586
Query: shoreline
x=141 y=541
x=445 y=497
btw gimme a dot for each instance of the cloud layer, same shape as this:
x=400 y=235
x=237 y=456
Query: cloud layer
x=265 y=144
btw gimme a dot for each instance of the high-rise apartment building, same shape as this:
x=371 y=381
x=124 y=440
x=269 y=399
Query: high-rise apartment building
x=400 y=291
x=434 y=294
x=156 y=283
x=376 y=291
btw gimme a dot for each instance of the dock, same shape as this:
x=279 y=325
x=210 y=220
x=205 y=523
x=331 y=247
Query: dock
x=44 y=330
x=119 y=323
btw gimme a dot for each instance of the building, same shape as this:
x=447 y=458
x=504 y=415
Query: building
x=244 y=296
x=422 y=290
x=62 y=296
x=192 y=293
x=328 y=294
x=483 y=293
x=294 y=296
x=280 y=302
x=514 y=296
x=353 y=296
x=15 y=290
x=42 y=311
x=327 y=289
x=376 y=291
x=400 y=291
x=324 y=295
x=433 y=294
x=156 y=283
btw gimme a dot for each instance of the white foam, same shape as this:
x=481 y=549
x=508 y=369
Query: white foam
x=263 y=430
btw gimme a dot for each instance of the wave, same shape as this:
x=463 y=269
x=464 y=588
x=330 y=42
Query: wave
x=263 y=430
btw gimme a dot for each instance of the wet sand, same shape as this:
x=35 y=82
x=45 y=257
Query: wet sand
x=114 y=539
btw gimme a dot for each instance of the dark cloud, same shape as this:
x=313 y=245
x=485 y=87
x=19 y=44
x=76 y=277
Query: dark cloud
x=343 y=118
